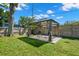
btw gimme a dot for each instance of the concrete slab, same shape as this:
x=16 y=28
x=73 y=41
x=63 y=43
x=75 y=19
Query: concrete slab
x=45 y=38
x=55 y=39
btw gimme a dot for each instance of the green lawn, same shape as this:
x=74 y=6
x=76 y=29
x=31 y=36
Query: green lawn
x=23 y=46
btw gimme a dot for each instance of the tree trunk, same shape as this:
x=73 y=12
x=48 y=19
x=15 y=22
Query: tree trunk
x=24 y=31
x=10 y=21
x=10 y=28
x=20 y=33
x=29 y=32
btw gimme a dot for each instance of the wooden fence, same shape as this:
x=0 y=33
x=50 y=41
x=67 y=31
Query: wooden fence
x=68 y=31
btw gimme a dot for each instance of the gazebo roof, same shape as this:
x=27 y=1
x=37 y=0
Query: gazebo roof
x=45 y=19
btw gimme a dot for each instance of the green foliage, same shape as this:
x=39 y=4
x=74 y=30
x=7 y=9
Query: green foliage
x=1 y=16
x=4 y=5
x=71 y=23
x=1 y=12
x=23 y=21
x=4 y=16
x=26 y=21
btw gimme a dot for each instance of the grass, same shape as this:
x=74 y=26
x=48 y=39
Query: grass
x=23 y=46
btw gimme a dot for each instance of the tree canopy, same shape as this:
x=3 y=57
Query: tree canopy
x=71 y=23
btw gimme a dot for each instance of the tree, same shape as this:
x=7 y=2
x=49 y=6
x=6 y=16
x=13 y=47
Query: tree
x=26 y=23
x=22 y=23
x=11 y=8
x=10 y=20
x=71 y=23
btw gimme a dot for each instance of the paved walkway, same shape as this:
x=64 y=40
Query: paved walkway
x=45 y=38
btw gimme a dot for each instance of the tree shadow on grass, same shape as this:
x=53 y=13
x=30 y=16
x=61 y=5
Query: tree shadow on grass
x=33 y=42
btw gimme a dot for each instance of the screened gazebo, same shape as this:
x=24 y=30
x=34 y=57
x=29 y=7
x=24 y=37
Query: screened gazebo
x=45 y=26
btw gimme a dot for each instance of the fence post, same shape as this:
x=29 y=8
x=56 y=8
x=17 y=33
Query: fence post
x=71 y=30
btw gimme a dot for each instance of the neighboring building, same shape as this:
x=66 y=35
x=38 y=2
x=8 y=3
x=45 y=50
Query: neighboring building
x=43 y=27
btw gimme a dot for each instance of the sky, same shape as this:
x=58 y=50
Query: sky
x=60 y=12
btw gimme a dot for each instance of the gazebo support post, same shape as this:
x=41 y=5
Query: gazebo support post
x=49 y=31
